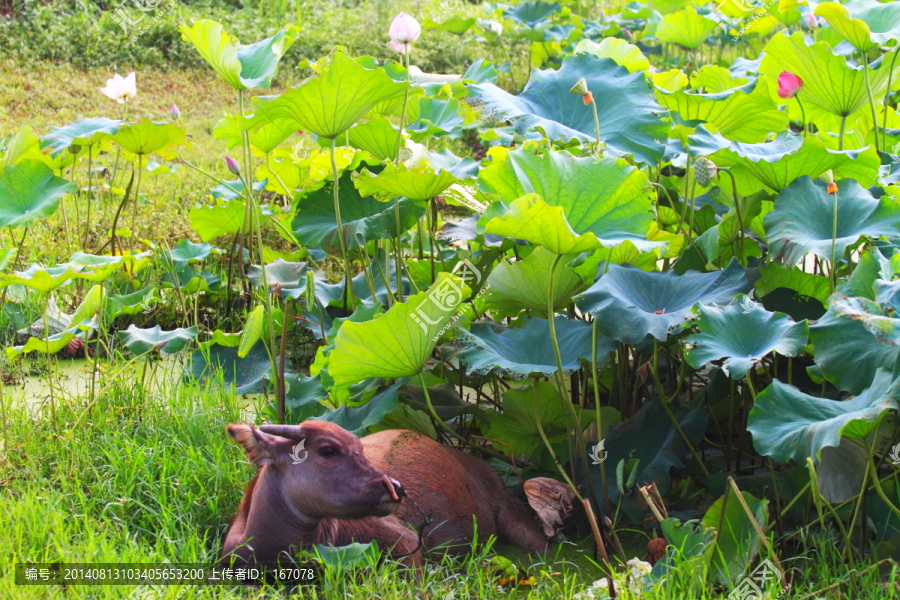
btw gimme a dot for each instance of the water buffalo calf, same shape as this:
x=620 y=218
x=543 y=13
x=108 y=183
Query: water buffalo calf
x=320 y=484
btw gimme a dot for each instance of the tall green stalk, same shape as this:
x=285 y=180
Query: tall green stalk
x=834 y=222
x=348 y=286
x=871 y=99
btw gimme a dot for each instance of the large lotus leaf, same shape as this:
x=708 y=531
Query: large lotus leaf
x=737 y=541
x=83 y=133
x=26 y=144
x=29 y=191
x=141 y=341
x=778 y=163
x=143 y=300
x=54 y=343
x=803 y=219
x=279 y=272
x=361 y=216
x=532 y=219
x=685 y=28
x=788 y=424
x=828 y=82
x=436 y=118
x=728 y=110
x=398 y=343
x=248 y=375
x=80 y=266
x=630 y=119
x=651 y=437
x=871 y=267
x=419 y=182
x=330 y=103
x=524 y=285
x=774 y=276
x=609 y=198
x=234 y=189
x=630 y=303
x=240 y=66
x=377 y=136
x=146 y=137
x=528 y=350
x=265 y=134
x=689 y=553
x=714 y=79
x=223 y=217
x=625 y=54
x=743 y=337
x=531 y=13
x=518 y=427
x=356 y=418
x=864 y=23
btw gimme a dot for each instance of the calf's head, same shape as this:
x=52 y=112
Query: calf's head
x=320 y=469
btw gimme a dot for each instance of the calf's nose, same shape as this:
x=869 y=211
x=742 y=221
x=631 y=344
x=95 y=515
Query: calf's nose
x=395 y=489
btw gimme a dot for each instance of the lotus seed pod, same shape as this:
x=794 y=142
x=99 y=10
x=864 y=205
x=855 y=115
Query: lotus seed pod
x=580 y=88
x=827 y=176
x=704 y=171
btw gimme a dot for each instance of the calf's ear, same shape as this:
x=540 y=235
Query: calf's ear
x=260 y=447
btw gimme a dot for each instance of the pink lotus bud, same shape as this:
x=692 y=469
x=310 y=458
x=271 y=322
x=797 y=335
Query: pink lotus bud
x=233 y=165
x=404 y=29
x=788 y=84
x=173 y=110
x=811 y=21
x=397 y=47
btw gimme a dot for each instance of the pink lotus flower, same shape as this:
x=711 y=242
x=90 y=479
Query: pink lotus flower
x=232 y=165
x=404 y=29
x=119 y=88
x=788 y=84
x=176 y=114
x=811 y=21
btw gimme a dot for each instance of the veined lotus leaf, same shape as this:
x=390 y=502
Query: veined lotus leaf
x=301 y=398
x=398 y=343
x=803 y=219
x=437 y=118
x=416 y=183
x=852 y=340
x=871 y=267
x=279 y=272
x=357 y=417
x=54 y=343
x=625 y=54
x=29 y=191
x=234 y=189
x=690 y=550
x=727 y=111
x=377 y=136
x=523 y=285
x=330 y=103
x=531 y=14
x=528 y=350
x=222 y=218
x=254 y=328
x=265 y=134
x=775 y=165
x=532 y=219
x=316 y=224
x=827 y=80
x=866 y=24
x=86 y=132
x=26 y=144
x=715 y=79
x=241 y=66
x=186 y=252
x=609 y=198
x=146 y=137
x=248 y=375
x=774 y=276
x=649 y=436
x=453 y=24
x=685 y=28
x=517 y=425
x=743 y=337
x=737 y=542
x=141 y=341
x=631 y=121
x=629 y=303
x=143 y=300
x=788 y=424
x=80 y=266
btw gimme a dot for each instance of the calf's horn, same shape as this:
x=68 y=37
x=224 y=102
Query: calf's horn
x=291 y=432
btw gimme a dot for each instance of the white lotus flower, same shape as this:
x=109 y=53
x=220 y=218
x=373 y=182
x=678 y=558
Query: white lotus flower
x=118 y=88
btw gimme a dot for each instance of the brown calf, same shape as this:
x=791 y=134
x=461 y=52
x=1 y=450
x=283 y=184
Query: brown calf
x=339 y=488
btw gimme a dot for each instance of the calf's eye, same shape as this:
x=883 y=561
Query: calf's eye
x=328 y=451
